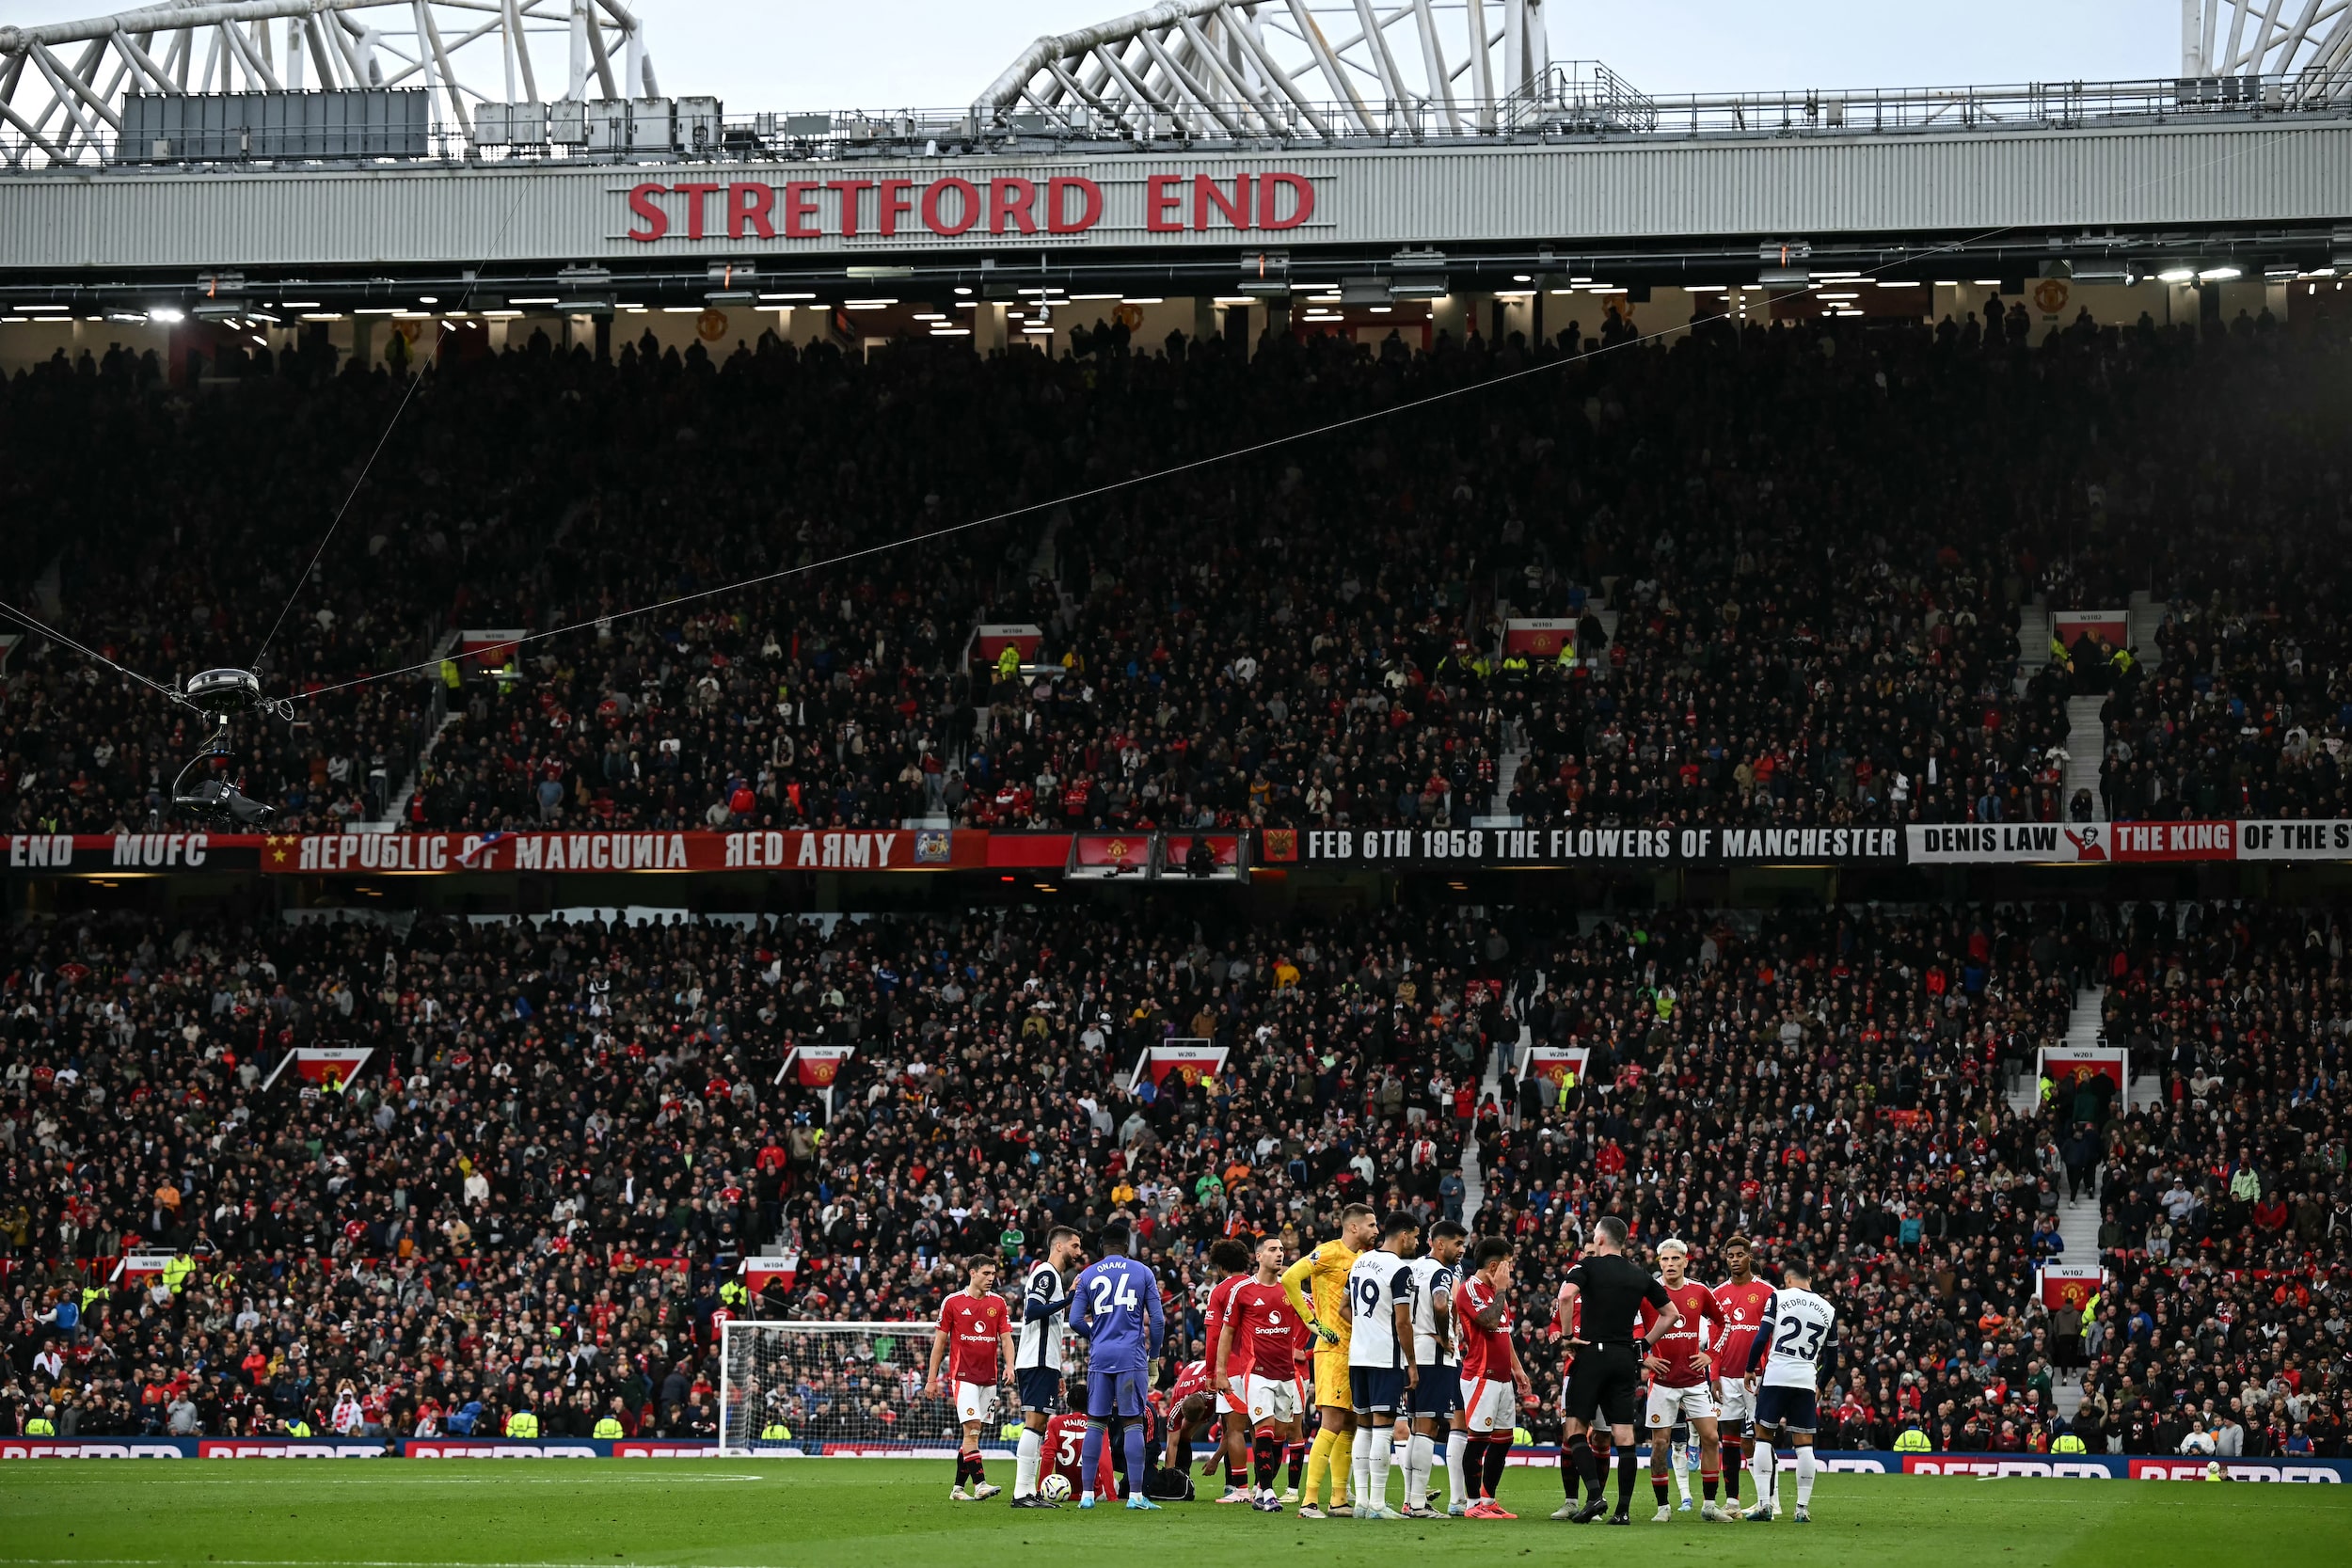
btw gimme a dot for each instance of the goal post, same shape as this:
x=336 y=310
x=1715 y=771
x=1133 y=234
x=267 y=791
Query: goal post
x=833 y=1388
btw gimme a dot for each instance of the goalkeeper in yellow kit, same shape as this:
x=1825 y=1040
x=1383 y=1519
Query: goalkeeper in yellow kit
x=1327 y=1316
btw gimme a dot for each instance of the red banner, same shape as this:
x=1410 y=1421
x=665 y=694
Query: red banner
x=2174 y=841
x=990 y=641
x=2110 y=627
x=832 y=849
x=1557 y=1064
x=330 y=1066
x=1194 y=1059
x=490 y=646
x=1176 y=849
x=1539 y=639
x=1111 y=854
x=2067 y=1287
x=818 y=1065
x=2067 y=1066
x=756 y=1272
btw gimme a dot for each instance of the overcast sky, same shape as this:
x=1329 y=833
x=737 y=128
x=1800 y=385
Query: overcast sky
x=937 y=54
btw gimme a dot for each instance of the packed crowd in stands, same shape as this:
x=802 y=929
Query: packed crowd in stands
x=1812 y=544
x=533 y=1195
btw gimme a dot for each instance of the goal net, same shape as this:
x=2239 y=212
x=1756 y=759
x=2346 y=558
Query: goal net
x=828 y=1388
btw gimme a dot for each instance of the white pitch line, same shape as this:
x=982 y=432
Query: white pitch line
x=430 y=1477
x=345 y=1562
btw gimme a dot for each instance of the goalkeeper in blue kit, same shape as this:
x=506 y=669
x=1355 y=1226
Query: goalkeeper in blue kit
x=1116 y=1304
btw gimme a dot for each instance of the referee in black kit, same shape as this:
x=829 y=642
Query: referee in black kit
x=1607 y=1375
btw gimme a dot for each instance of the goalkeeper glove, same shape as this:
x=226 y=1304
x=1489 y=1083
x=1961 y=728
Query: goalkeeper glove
x=1329 y=1336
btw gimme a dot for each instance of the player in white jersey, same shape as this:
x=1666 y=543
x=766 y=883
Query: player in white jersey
x=1380 y=1366
x=1796 y=1348
x=1436 y=1400
x=1038 y=1356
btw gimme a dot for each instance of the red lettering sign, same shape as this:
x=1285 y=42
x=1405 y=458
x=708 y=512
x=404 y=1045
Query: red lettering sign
x=849 y=190
x=1009 y=199
x=1058 y=218
x=1207 y=193
x=1162 y=207
x=800 y=211
x=893 y=204
x=693 y=195
x=748 y=204
x=640 y=201
x=968 y=197
x=1302 y=205
x=951 y=206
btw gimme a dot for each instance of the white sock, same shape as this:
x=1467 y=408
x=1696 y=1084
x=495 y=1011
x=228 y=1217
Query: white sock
x=1762 y=1465
x=1383 y=1456
x=1678 y=1457
x=1807 y=1470
x=1419 y=1455
x=1026 y=1461
x=1456 y=1455
x=1360 y=1465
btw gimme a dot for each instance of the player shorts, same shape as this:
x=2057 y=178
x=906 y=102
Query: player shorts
x=1490 y=1405
x=1376 y=1389
x=1605 y=1380
x=1268 y=1399
x=1111 y=1394
x=975 y=1402
x=1739 y=1405
x=1040 y=1389
x=1671 y=1407
x=1331 y=1383
x=1437 y=1391
x=1788 y=1409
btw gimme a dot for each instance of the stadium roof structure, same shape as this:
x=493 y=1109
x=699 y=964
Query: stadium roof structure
x=1291 y=69
x=63 y=85
x=1291 y=73
x=1195 y=146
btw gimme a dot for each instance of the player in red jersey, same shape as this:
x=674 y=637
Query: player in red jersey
x=1259 y=1336
x=1230 y=1260
x=1065 y=1444
x=1683 y=1387
x=1740 y=1305
x=974 y=1322
x=1189 y=1405
x=1493 y=1381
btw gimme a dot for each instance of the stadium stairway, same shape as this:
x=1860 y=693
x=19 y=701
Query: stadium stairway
x=49 y=588
x=1473 y=1183
x=2086 y=749
x=397 y=811
x=2146 y=617
x=1506 y=774
x=2033 y=642
x=2078 y=1218
x=1491 y=1087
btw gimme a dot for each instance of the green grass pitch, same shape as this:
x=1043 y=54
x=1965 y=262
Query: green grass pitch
x=871 y=1513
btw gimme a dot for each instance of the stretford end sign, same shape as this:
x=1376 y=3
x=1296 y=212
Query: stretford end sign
x=1005 y=205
